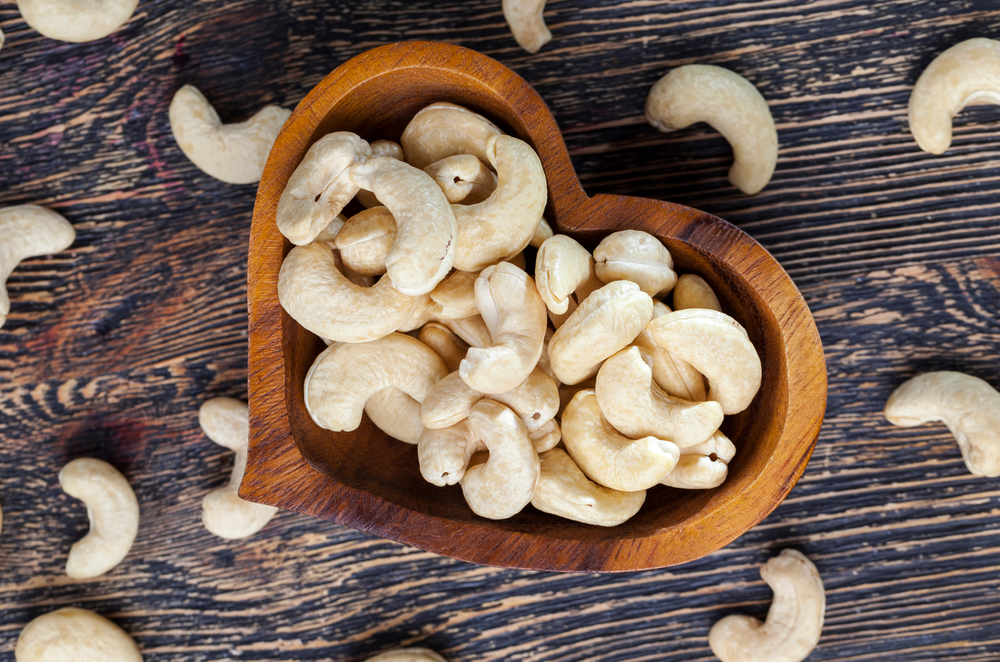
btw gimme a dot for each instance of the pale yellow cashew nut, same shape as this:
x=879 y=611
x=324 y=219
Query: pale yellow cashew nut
x=345 y=376
x=472 y=330
x=113 y=512
x=444 y=454
x=607 y=456
x=379 y=148
x=226 y=422
x=463 y=178
x=731 y=105
x=562 y=266
x=365 y=240
x=524 y=17
x=232 y=153
x=445 y=343
x=319 y=297
x=445 y=129
x=638 y=257
x=967 y=405
x=966 y=74
x=703 y=466
x=794 y=621
x=76 y=20
x=320 y=186
x=74 y=635
x=564 y=490
x=514 y=313
x=424 y=249
x=28 y=231
x=408 y=655
x=693 y=292
x=535 y=400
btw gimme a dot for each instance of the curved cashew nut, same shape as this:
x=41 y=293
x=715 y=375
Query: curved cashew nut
x=320 y=186
x=794 y=621
x=731 y=105
x=535 y=400
x=408 y=655
x=471 y=330
x=966 y=74
x=463 y=178
x=543 y=231
x=515 y=316
x=546 y=437
x=693 y=292
x=676 y=377
x=607 y=321
x=313 y=291
x=527 y=23
x=445 y=344
x=365 y=239
x=562 y=266
x=424 y=249
x=702 y=466
x=76 y=20
x=444 y=129
x=113 y=512
x=565 y=491
x=636 y=256
x=969 y=406
x=607 y=456
x=718 y=347
x=28 y=231
x=379 y=148
x=444 y=454
x=345 y=375
x=74 y=635
x=227 y=423
x=502 y=486
x=636 y=407
x=503 y=224
x=568 y=391
x=396 y=414
x=232 y=153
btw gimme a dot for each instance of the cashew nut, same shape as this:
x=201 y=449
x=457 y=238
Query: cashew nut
x=313 y=291
x=502 y=486
x=28 y=231
x=444 y=129
x=966 y=74
x=455 y=296
x=607 y=321
x=445 y=343
x=113 y=512
x=515 y=316
x=74 y=635
x=527 y=23
x=542 y=232
x=408 y=655
x=676 y=377
x=693 y=292
x=969 y=406
x=503 y=224
x=232 y=153
x=637 y=407
x=227 y=423
x=463 y=178
x=2 y=39
x=731 y=105
x=365 y=240
x=471 y=330
x=636 y=256
x=345 y=375
x=424 y=249
x=546 y=437
x=76 y=20
x=329 y=234
x=535 y=400
x=718 y=347
x=607 y=456
x=794 y=621
x=703 y=466
x=562 y=265
x=566 y=491
x=396 y=414
x=379 y=148
x=444 y=454
x=320 y=186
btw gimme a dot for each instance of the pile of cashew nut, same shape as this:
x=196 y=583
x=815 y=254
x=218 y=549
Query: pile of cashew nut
x=575 y=391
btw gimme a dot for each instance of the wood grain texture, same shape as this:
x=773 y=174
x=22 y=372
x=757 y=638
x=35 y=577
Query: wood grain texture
x=111 y=347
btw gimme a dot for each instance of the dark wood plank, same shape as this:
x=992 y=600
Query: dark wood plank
x=111 y=346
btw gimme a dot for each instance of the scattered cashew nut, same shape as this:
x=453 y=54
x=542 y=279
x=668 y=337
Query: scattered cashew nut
x=76 y=20
x=74 y=635
x=227 y=423
x=527 y=23
x=113 y=512
x=794 y=621
x=28 y=231
x=969 y=406
x=408 y=655
x=444 y=129
x=693 y=292
x=731 y=105
x=463 y=178
x=636 y=256
x=566 y=491
x=966 y=74
x=232 y=153
x=365 y=239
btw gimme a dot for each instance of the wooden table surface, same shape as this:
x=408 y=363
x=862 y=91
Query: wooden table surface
x=111 y=346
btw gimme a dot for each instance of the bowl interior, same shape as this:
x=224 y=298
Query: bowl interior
x=381 y=475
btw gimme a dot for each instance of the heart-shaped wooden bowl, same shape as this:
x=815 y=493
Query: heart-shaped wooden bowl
x=368 y=481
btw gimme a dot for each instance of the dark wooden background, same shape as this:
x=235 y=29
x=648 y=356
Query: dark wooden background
x=111 y=347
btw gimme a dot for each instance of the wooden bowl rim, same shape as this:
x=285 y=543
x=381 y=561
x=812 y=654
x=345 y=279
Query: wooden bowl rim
x=295 y=485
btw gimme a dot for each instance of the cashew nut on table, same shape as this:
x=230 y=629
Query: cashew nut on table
x=577 y=390
x=74 y=635
x=527 y=23
x=408 y=655
x=76 y=20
